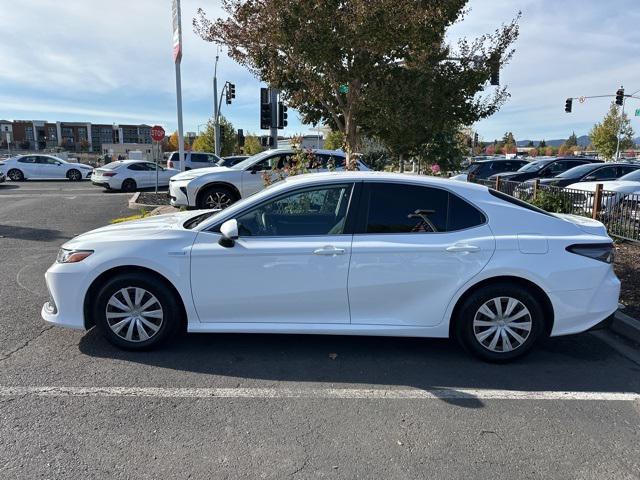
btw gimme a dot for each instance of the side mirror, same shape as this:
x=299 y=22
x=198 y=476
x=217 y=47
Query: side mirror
x=254 y=169
x=229 y=231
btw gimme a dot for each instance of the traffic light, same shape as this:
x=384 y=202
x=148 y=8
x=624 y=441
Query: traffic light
x=240 y=137
x=475 y=139
x=495 y=73
x=568 y=104
x=231 y=92
x=265 y=109
x=282 y=115
x=266 y=141
x=620 y=96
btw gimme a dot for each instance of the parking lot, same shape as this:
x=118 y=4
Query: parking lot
x=275 y=406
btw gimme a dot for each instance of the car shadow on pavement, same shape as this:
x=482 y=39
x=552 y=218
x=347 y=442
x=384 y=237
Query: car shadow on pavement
x=577 y=363
x=30 y=233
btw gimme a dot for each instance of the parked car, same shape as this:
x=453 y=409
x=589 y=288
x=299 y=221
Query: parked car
x=544 y=168
x=220 y=187
x=354 y=253
x=192 y=160
x=231 y=161
x=614 y=191
x=3 y=177
x=46 y=167
x=483 y=169
x=590 y=172
x=129 y=175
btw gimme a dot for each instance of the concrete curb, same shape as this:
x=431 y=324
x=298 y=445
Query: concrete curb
x=626 y=326
x=134 y=205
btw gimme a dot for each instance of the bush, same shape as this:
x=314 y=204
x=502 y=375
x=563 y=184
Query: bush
x=554 y=202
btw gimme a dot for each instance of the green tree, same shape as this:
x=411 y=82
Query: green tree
x=572 y=141
x=205 y=142
x=542 y=144
x=334 y=140
x=252 y=145
x=335 y=71
x=530 y=144
x=604 y=135
x=508 y=139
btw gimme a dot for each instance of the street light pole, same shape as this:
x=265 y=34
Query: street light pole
x=216 y=112
x=620 y=130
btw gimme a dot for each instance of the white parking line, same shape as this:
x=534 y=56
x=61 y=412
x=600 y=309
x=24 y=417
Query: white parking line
x=315 y=393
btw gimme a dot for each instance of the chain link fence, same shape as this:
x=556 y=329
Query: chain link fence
x=620 y=212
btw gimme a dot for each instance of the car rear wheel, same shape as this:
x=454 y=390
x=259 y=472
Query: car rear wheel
x=500 y=322
x=15 y=175
x=136 y=311
x=74 y=175
x=216 y=198
x=129 y=185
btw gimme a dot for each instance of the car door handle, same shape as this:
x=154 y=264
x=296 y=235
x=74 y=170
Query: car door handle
x=462 y=247
x=329 y=251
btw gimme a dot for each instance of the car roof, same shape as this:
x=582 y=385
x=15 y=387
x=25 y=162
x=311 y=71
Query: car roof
x=312 y=178
x=488 y=160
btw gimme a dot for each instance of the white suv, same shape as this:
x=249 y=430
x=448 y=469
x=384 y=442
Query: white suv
x=192 y=160
x=219 y=187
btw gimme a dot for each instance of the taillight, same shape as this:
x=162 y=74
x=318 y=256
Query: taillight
x=109 y=174
x=603 y=252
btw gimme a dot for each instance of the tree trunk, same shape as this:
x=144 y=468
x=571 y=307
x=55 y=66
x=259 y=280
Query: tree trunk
x=401 y=162
x=351 y=142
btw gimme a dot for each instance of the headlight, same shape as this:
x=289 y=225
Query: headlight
x=72 y=256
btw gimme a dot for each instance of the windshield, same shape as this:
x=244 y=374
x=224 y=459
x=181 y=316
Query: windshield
x=577 y=172
x=632 y=177
x=534 y=166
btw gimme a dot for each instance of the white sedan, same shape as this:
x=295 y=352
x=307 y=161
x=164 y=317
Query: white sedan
x=219 y=187
x=44 y=167
x=615 y=192
x=129 y=175
x=344 y=254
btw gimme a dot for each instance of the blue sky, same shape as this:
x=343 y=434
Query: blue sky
x=84 y=60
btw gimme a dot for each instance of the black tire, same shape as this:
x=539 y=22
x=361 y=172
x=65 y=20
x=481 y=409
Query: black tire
x=469 y=335
x=129 y=185
x=217 y=197
x=74 y=175
x=171 y=312
x=15 y=175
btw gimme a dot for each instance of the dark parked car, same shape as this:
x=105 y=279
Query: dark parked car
x=483 y=169
x=231 y=161
x=590 y=172
x=544 y=168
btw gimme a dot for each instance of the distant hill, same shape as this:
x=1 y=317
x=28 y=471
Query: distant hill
x=583 y=141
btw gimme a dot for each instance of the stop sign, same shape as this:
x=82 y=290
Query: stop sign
x=157 y=133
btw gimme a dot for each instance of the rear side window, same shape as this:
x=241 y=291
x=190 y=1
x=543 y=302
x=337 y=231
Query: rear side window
x=200 y=158
x=27 y=160
x=401 y=208
x=515 y=201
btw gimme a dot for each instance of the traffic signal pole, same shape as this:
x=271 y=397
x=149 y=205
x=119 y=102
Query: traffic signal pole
x=273 y=131
x=620 y=130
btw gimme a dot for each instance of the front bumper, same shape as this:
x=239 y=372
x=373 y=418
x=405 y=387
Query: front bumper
x=67 y=285
x=178 y=194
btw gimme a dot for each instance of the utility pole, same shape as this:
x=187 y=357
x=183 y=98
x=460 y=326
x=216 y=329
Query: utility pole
x=216 y=111
x=620 y=125
x=273 y=132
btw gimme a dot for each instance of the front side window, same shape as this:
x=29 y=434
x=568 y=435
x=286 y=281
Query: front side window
x=606 y=173
x=27 y=160
x=399 y=208
x=136 y=167
x=317 y=211
x=199 y=158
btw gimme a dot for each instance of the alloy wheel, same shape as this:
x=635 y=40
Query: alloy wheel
x=217 y=200
x=502 y=324
x=74 y=175
x=15 y=175
x=134 y=314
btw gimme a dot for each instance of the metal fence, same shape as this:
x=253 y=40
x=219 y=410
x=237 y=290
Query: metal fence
x=620 y=212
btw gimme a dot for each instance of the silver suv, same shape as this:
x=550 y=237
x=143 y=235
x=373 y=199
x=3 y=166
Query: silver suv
x=192 y=160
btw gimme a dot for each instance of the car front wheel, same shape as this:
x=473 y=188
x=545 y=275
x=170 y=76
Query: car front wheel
x=136 y=311
x=500 y=322
x=216 y=198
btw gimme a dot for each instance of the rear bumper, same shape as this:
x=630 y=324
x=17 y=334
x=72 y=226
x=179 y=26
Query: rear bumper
x=577 y=311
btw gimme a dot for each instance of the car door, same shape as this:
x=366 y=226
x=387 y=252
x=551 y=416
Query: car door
x=602 y=174
x=28 y=165
x=289 y=264
x=50 y=168
x=141 y=174
x=414 y=247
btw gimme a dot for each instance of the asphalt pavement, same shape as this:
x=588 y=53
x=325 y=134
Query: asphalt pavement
x=277 y=406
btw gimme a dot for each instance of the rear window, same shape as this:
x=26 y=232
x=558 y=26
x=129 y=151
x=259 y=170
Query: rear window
x=112 y=165
x=515 y=201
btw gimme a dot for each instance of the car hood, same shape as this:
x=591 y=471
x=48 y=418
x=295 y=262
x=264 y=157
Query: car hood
x=198 y=172
x=133 y=230
x=625 y=186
